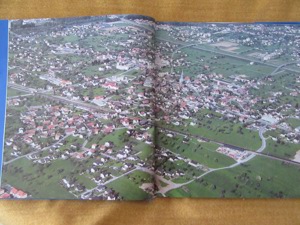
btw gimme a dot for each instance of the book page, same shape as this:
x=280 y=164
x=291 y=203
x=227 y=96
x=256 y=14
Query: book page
x=79 y=109
x=227 y=106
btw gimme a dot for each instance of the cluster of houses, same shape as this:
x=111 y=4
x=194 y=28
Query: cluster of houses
x=235 y=154
x=8 y=191
x=243 y=35
x=109 y=67
x=75 y=69
x=234 y=100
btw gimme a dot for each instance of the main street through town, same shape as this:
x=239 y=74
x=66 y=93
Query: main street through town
x=79 y=103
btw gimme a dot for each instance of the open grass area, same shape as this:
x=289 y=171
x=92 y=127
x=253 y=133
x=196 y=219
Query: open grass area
x=258 y=178
x=13 y=122
x=293 y=122
x=201 y=152
x=219 y=63
x=71 y=38
x=38 y=180
x=141 y=177
x=282 y=150
x=192 y=190
x=280 y=83
x=164 y=34
x=211 y=126
x=96 y=92
x=129 y=188
x=170 y=168
x=145 y=150
x=117 y=137
x=36 y=101
x=71 y=141
x=87 y=182
x=13 y=92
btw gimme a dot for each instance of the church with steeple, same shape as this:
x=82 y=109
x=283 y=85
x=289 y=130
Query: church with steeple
x=181 y=79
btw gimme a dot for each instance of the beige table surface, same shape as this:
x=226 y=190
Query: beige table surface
x=159 y=211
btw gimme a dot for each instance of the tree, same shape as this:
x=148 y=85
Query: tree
x=91 y=93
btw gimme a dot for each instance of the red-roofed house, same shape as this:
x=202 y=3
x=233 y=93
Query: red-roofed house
x=70 y=131
x=111 y=85
x=5 y=195
x=21 y=194
x=14 y=191
x=99 y=97
x=108 y=129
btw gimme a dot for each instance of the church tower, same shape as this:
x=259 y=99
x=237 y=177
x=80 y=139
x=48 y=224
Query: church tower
x=181 y=77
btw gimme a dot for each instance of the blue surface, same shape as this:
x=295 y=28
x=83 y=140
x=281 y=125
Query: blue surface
x=3 y=80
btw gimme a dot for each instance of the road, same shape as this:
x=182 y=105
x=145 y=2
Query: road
x=170 y=187
x=18 y=96
x=109 y=181
x=85 y=105
x=232 y=55
x=277 y=70
x=102 y=153
x=203 y=138
x=186 y=160
x=21 y=88
x=257 y=152
x=119 y=74
x=37 y=151
x=263 y=139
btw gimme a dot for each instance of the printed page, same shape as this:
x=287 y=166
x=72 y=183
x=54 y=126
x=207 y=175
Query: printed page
x=79 y=109
x=227 y=107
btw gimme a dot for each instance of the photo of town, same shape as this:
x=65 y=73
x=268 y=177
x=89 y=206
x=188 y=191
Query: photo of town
x=127 y=108
x=227 y=110
x=79 y=120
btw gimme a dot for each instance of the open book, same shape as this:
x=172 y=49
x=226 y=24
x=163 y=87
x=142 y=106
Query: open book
x=123 y=107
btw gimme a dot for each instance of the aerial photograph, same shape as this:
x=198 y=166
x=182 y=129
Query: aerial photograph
x=227 y=110
x=79 y=109
x=127 y=108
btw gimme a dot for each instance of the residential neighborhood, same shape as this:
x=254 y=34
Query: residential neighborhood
x=227 y=110
x=79 y=109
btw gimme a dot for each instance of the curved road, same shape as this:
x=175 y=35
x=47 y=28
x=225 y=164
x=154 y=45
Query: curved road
x=170 y=187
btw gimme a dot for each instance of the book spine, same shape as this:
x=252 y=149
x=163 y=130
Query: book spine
x=4 y=25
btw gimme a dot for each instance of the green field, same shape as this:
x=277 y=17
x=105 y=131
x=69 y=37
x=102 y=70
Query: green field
x=71 y=140
x=220 y=130
x=13 y=122
x=117 y=137
x=87 y=182
x=282 y=150
x=95 y=92
x=258 y=178
x=294 y=123
x=201 y=152
x=71 y=38
x=219 y=63
x=279 y=83
x=169 y=167
x=36 y=101
x=145 y=150
x=37 y=180
x=13 y=92
x=128 y=188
